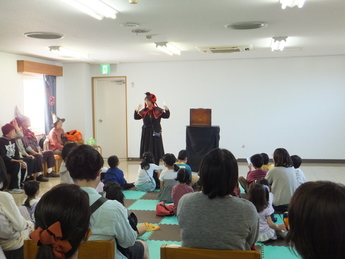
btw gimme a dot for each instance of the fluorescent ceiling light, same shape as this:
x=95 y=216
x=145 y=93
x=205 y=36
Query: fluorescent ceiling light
x=278 y=43
x=292 y=3
x=95 y=8
x=168 y=48
x=67 y=53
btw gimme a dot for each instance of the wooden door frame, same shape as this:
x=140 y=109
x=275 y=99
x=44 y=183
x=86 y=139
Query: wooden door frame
x=93 y=79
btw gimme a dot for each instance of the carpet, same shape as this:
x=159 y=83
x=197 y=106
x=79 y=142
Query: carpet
x=143 y=204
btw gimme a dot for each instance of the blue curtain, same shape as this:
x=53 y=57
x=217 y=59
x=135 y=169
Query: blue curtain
x=50 y=102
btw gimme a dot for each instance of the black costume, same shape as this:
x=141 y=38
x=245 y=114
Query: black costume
x=152 y=124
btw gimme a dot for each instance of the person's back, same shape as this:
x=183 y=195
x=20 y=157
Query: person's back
x=282 y=178
x=110 y=219
x=167 y=178
x=182 y=188
x=214 y=214
x=297 y=161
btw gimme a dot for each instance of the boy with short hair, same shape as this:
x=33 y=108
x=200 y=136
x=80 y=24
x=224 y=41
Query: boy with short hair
x=297 y=161
x=256 y=162
x=115 y=174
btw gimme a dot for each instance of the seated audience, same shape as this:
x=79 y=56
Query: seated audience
x=148 y=174
x=182 y=160
x=115 y=174
x=33 y=148
x=297 y=161
x=32 y=189
x=13 y=227
x=30 y=160
x=65 y=176
x=56 y=136
x=256 y=162
x=316 y=220
x=110 y=220
x=167 y=178
x=213 y=218
x=15 y=167
x=182 y=188
x=282 y=179
x=113 y=191
x=61 y=225
x=266 y=165
x=259 y=196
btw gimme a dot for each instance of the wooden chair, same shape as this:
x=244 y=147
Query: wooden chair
x=170 y=252
x=104 y=249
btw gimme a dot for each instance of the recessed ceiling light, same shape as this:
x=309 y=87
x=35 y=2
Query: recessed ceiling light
x=246 y=25
x=129 y=24
x=43 y=35
x=137 y=31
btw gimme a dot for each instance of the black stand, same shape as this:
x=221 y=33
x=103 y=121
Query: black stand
x=200 y=140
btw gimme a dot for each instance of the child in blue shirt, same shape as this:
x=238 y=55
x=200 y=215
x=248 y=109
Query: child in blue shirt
x=114 y=174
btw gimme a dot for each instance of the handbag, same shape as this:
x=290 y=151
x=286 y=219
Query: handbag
x=164 y=210
x=148 y=186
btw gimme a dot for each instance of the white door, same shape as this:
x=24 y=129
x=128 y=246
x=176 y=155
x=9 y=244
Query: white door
x=110 y=115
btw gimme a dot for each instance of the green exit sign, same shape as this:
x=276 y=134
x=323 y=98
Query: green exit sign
x=105 y=69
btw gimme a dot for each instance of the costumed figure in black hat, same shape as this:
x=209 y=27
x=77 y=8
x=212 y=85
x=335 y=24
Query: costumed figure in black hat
x=151 y=136
x=56 y=135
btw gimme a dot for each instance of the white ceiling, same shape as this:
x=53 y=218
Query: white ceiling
x=316 y=29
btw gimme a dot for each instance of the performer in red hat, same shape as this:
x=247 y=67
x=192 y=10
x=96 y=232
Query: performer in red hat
x=151 y=135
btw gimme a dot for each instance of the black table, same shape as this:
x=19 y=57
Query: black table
x=199 y=141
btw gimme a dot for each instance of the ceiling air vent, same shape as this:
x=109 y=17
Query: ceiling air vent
x=225 y=49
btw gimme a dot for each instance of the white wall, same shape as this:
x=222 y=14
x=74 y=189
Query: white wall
x=261 y=104
x=11 y=84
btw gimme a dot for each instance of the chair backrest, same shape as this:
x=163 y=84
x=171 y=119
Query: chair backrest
x=170 y=252
x=104 y=249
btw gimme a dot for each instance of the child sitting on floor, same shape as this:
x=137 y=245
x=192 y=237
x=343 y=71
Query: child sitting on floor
x=32 y=189
x=113 y=191
x=266 y=165
x=297 y=161
x=114 y=174
x=259 y=196
x=182 y=188
x=167 y=177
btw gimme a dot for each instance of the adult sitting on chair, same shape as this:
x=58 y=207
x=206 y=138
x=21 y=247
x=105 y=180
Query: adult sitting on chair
x=56 y=136
x=33 y=148
x=109 y=220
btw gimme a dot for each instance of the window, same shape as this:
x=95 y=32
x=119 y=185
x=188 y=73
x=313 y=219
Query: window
x=34 y=100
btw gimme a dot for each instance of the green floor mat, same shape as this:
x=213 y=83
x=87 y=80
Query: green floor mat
x=278 y=252
x=133 y=195
x=144 y=205
x=155 y=246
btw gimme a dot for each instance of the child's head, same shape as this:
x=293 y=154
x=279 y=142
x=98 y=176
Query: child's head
x=60 y=223
x=147 y=159
x=296 y=160
x=113 y=161
x=257 y=160
x=259 y=196
x=169 y=159
x=182 y=155
x=113 y=191
x=183 y=176
x=264 y=182
x=67 y=148
x=265 y=158
x=31 y=188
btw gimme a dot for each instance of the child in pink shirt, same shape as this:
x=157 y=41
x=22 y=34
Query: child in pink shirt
x=182 y=188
